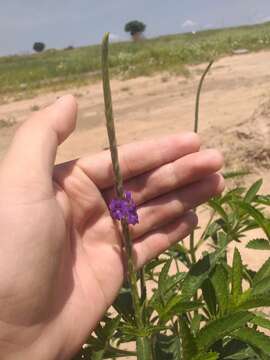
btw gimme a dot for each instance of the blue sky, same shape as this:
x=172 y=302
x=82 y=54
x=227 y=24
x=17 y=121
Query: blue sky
x=60 y=23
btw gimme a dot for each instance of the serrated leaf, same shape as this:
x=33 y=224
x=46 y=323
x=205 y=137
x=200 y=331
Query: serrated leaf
x=149 y=267
x=261 y=287
x=220 y=281
x=257 y=296
x=259 y=244
x=158 y=302
x=217 y=329
x=252 y=191
x=237 y=276
x=163 y=276
x=177 y=306
x=189 y=346
x=257 y=216
x=218 y=208
x=254 y=338
x=199 y=273
x=209 y=296
x=263 y=272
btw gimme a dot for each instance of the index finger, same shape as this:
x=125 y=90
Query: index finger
x=138 y=157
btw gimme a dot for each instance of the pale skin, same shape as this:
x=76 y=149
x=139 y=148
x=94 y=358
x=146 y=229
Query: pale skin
x=61 y=259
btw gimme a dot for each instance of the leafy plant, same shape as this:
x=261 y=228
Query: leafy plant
x=213 y=308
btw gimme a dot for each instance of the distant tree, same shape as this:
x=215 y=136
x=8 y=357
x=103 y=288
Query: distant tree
x=39 y=46
x=70 y=47
x=135 y=28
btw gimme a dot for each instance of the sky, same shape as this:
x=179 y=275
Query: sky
x=62 y=23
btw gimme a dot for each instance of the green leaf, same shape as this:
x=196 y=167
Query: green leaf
x=177 y=306
x=123 y=304
x=87 y=353
x=206 y=356
x=98 y=348
x=257 y=296
x=232 y=349
x=233 y=174
x=189 y=346
x=179 y=252
x=262 y=287
x=166 y=347
x=237 y=276
x=196 y=322
x=218 y=208
x=257 y=216
x=158 y=299
x=163 y=276
x=263 y=272
x=217 y=329
x=263 y=200
x=261 y=321
x=209 y=296
x=199 y=273
x=220 y=281
x=253 y=190
x=254 y=338
x=259 y=244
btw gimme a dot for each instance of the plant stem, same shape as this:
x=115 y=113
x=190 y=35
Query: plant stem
x=198 y=96
x=201 y=240
x=192 y=247
x=142 y=342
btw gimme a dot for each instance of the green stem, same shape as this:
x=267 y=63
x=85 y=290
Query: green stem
x=202 y=238
x=192 y=247
x=142 y=342
x=143 y=285
x=198 y=96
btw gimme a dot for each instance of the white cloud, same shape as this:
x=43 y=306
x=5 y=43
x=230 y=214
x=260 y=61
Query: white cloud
x=189 y=24
x=264 y=19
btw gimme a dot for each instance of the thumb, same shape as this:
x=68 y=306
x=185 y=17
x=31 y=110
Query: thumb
x=32 y=152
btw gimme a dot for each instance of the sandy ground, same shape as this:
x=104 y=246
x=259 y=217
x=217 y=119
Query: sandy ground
x=235 y=115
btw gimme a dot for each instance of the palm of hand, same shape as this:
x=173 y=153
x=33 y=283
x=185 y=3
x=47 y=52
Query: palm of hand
x=63 y=257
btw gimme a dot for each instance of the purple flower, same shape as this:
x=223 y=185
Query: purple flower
x=124 y=209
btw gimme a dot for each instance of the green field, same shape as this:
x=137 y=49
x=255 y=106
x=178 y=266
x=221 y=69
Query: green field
x=56 y=69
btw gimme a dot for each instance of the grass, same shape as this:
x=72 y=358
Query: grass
x=56 y=69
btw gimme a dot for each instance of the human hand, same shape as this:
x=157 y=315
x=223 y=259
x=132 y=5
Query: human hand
x=61 y=252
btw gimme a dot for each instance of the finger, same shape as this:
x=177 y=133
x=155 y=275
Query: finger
x=186 y=170
x=167 y=208
x=155 y=243
x=33 y=149
x=138 y=158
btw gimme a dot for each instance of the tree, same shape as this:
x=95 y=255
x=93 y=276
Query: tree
x=135 y=28
x=39 y=46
